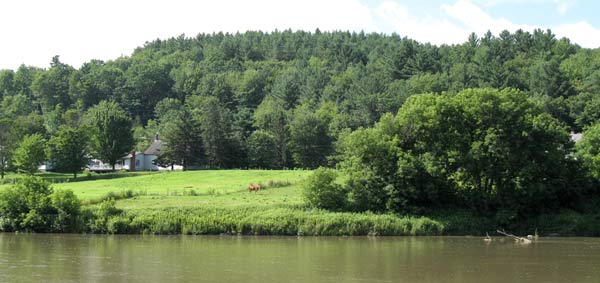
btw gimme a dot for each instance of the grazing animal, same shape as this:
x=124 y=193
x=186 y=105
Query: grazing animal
x=254 y=188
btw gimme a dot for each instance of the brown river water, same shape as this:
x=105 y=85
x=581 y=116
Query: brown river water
x=101 y=258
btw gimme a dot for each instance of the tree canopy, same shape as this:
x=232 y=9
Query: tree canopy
x=112 y=132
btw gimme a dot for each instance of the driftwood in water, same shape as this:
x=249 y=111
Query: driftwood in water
x=487 y=238
x=518 y=239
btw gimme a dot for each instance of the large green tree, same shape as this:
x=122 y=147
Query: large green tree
x=219 y=144
x=310 y=143
x=30 y=154
x=51 y=88
x=272 y=117
x=588 y=149
x=495 y=151
x=183 y=142
x=68 y=151
x=112 y=134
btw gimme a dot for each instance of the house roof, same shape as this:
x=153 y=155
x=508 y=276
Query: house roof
x=154 y=148
x=129 y=155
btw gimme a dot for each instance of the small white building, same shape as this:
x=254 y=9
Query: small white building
x=144 y=161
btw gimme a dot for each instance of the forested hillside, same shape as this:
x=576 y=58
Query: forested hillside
x=284 y=99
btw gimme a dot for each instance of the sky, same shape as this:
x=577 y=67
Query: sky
x=33 y=31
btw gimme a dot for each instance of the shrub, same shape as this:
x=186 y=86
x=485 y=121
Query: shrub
x=321 y=190
x=68 y=207
x=98 y=219
x=28 y=206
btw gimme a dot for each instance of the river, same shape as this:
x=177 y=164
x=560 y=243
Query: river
x=122 y=258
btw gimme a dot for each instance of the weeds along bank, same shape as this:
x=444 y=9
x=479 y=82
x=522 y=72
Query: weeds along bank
x=193 y=204
x=253 y=221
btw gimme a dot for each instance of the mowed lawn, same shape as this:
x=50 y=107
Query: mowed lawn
x=223 y=188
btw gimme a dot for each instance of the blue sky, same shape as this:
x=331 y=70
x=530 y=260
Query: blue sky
x=533 y=12
x=447 y=21
x=36 y=30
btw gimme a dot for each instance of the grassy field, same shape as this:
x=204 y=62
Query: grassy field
x=195 y=188
x=216 y=202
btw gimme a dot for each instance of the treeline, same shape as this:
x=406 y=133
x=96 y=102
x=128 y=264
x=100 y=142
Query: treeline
x=494 y=153
x=285 y=99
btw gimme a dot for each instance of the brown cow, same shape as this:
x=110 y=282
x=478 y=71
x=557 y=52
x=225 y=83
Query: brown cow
x=254 y=188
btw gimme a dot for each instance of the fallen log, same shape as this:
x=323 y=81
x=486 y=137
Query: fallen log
x=517 y=239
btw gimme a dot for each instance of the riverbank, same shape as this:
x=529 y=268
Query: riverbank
x=292 y=221
x=218 y=202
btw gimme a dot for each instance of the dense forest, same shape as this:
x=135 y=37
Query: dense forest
x=353 y=100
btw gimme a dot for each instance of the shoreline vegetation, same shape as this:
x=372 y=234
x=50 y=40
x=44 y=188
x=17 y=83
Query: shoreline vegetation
x=217 y=203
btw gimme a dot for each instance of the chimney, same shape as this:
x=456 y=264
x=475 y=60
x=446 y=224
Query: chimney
x=132 y=161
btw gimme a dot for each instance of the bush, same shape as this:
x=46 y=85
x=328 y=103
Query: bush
x=321 y=190
x=68 y=207
x=30 y=205
x=98 y=219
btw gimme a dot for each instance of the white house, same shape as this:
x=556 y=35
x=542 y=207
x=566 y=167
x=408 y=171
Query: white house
x=144 y=161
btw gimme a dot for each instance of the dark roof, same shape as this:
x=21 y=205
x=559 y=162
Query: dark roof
x=154 y=148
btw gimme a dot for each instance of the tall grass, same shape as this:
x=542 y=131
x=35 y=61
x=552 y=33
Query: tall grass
x=124 y=194
x=262 y=221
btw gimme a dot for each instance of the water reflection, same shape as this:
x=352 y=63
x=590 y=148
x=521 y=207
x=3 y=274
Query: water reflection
x=97 y=258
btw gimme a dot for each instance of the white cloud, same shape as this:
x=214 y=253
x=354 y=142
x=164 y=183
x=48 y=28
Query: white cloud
x=454 y=26
x=463 y=17
x=474 y=19
x=581 y=33
x=35 y=30
x=563 y=6
x=426 y=29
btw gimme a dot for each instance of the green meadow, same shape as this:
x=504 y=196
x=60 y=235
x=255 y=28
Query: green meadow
x=190 y=188
x=218 y=202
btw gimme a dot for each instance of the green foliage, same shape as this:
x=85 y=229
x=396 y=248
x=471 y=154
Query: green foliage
x=584 y=109
x=51 y=88
x=68 y=208
x=219 y=145
x=588 y=149
x=260 y=150
x=271 y=117
x=68 y=151
x=183 y=142
x=321 y=190
x=257 y=221
x=6 y=144
x=100 y=219
x=112 y=131
x=219 y=203
x=30 y=154
x=310 y=143
x=32 y=206
x=493 y=150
